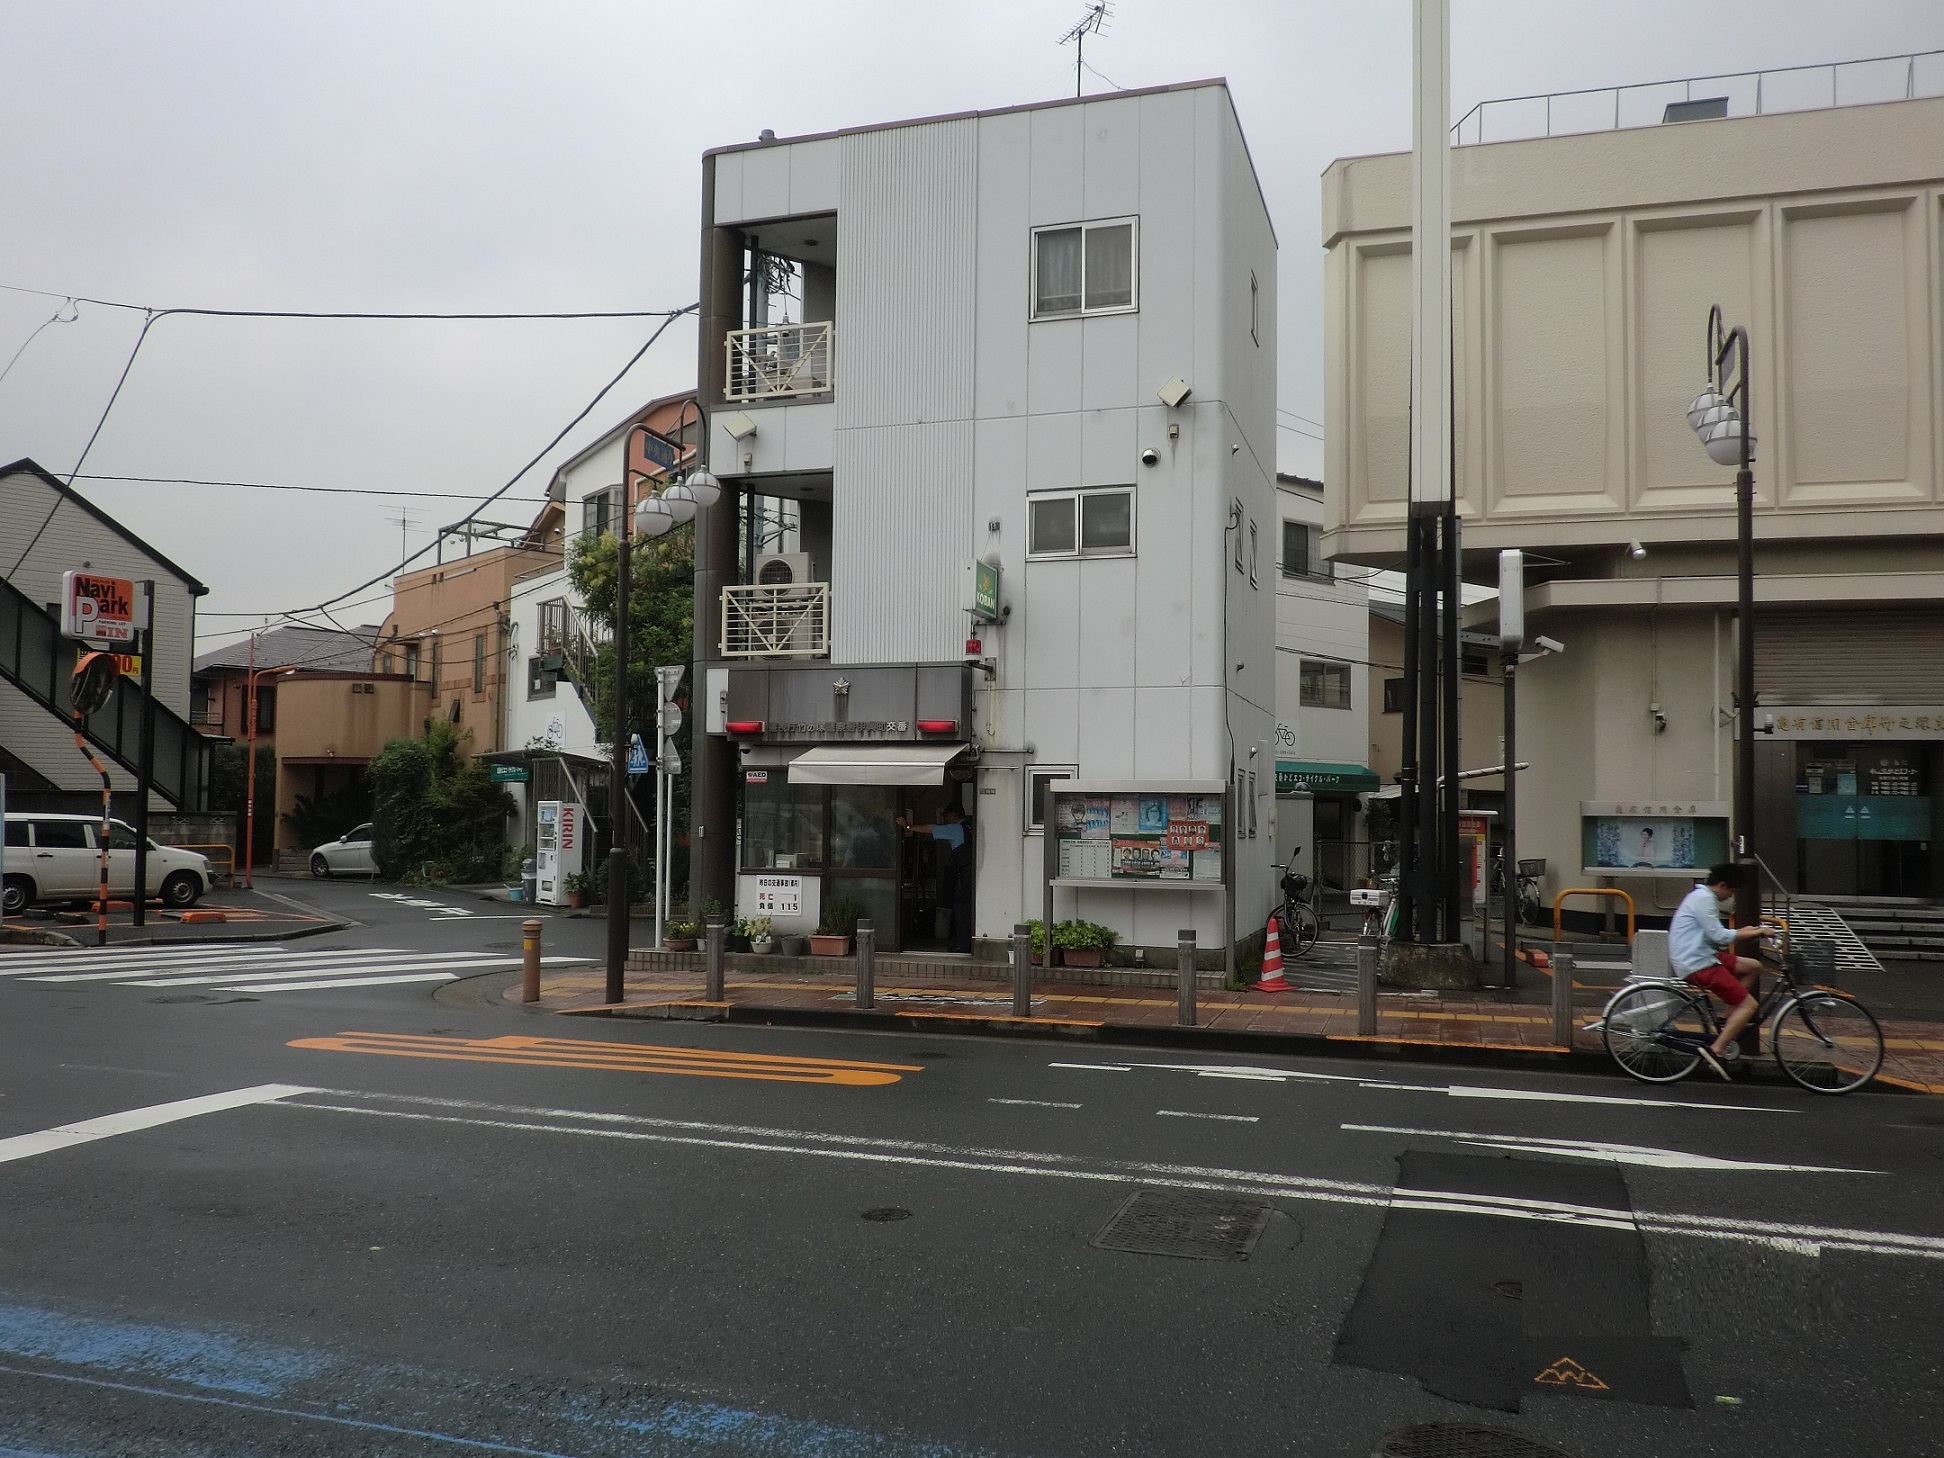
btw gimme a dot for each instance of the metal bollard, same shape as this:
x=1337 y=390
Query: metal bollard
x=712 y=963
x=1367 y=987
x=1185 y=977
x=530 y=961
x=1022 y=963
x=1562 y=999
x=866 y=965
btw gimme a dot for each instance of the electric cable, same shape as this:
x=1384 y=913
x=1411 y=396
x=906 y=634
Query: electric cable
x=321 y=490
x=55 y=318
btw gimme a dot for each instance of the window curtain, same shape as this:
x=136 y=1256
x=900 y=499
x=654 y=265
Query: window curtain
x=1110 y=266
x=1059 y=272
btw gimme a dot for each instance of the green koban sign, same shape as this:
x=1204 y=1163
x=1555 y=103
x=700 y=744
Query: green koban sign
x=985 y=590
x=509 y=774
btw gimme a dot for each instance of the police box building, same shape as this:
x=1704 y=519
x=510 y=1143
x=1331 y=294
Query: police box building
x=991 y=399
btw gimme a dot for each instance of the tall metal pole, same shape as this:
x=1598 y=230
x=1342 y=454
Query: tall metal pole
x=1748 y=900
x=1510 y=877
x=145 y=761
x=249 y=769
x=1430 y=454
x=617 y=920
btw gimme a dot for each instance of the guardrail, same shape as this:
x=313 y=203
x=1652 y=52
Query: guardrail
x=788 y=359
x=227 y=854
x=761 y=621
x=1607 y=891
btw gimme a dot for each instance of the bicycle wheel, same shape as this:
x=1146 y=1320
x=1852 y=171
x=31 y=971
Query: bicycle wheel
x=1655 y=1032
x=1304 y=929
x=1828 y=1043
x=1532 y=911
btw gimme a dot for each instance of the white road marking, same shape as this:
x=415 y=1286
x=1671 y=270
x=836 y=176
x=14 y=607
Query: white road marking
x=1229 y=1118
x=407 y=963
x=1034 y=1103
x=237 y=964
x=1255 y=1074
x=1639 y=1154
x=84 y=1131
x=1800 y=1240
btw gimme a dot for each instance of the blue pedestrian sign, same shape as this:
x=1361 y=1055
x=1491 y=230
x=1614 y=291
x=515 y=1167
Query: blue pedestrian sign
x=637 y=755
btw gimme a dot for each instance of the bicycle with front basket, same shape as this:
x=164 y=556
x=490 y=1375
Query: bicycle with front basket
x=1297 y=924
x=1824 y=1040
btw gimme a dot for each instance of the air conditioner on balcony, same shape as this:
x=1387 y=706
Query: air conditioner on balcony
x=783 y=569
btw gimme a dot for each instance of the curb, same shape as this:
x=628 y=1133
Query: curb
x=200 y=941
x=1132 y=1035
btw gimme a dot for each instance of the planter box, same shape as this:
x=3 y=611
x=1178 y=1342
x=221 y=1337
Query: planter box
x=763 y=946
x=679 y=944
x=735 y=944
x=795 y=946
x=1080 y=956
x=829 y=946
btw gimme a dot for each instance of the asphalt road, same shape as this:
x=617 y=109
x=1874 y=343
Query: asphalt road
x=402 y=1218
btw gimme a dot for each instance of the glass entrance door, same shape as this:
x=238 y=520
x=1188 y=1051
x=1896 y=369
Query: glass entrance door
x=1863 y=819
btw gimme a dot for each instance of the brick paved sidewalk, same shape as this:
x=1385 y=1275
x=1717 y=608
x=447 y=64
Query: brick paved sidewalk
x=1914 y=1056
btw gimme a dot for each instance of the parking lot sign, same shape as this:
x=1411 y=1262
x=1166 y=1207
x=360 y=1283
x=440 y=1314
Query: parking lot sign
x=101 y=610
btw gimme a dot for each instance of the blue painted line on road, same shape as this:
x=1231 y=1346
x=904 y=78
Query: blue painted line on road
x=268 y=1410
x=211 y=1360
x=243 y=1374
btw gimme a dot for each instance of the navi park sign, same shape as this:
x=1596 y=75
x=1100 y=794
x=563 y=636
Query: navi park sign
x=101 y=610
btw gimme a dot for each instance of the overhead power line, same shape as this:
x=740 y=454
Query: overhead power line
x=342 y=314
x=321 y=490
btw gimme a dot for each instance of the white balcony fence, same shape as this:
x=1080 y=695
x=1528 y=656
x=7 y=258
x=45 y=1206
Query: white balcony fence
x=791 y=359
x=759 y=621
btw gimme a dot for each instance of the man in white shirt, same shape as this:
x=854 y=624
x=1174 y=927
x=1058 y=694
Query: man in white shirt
x=1702 y=951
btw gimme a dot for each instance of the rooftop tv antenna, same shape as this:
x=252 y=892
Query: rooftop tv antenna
x=404 y=521
x=1092 y=23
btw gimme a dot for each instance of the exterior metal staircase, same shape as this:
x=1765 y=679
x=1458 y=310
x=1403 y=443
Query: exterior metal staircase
x=38 y=661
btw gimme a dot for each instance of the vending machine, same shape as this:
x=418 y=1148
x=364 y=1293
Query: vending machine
x=562 y=834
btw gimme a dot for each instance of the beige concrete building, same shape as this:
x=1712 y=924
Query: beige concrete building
x=1584 y=268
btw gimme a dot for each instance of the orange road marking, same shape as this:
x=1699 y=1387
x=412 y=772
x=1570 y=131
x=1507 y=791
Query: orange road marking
x=615 y=1057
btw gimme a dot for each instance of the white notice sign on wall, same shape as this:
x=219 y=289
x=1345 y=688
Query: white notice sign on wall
x=779 y=895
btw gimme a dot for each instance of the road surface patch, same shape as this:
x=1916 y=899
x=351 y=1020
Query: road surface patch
x=615 y=1057
x=1433 y=1301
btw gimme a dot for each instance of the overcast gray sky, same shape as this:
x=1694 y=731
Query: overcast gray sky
x=494 y=156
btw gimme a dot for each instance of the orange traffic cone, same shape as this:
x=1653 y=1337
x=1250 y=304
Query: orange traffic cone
x=1271 y=979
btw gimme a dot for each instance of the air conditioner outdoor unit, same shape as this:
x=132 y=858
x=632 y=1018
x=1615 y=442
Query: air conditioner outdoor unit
x=783 y=569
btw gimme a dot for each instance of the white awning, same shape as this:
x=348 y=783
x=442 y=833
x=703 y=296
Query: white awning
x=874 y=764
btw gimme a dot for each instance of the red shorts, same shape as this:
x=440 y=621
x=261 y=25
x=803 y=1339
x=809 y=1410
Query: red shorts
x=1720 y=979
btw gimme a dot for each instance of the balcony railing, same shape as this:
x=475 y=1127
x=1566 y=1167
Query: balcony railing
x=790 y=359
x=1741 y=93
x=759 y=621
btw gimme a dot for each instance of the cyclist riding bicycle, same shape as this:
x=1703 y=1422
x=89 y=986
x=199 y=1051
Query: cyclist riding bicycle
x=1702 y=950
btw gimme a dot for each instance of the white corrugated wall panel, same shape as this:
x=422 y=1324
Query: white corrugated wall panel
x=1807 y=655
x=902 y=534
x=907 y=279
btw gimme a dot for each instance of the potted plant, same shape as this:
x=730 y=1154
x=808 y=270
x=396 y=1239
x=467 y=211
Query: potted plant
x=681 y=936
x=832 y=937
x=575 y=885
x=1038 y=929
x=1083 y=943
x=736 y=936
x=762 y=935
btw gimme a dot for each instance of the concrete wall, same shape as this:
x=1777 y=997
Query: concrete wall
x=1584 y=267
x=1329 y=619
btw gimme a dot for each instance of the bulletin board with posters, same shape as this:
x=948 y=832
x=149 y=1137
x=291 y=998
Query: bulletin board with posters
x=1165 y=834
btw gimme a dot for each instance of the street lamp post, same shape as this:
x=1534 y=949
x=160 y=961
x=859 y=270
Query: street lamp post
x=656 y=515
x=1724 y=419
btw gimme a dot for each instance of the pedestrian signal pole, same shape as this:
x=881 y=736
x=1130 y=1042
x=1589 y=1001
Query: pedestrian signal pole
x=668 y=764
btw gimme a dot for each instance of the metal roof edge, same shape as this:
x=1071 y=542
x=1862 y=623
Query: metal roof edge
x=26 y=465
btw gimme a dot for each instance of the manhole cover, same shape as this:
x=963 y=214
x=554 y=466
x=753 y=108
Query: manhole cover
x=1181 y=1223
x=185 y=997
x=1461 y=1440
x=886 y=1213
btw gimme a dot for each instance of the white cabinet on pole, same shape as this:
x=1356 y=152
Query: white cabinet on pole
x=563 y=832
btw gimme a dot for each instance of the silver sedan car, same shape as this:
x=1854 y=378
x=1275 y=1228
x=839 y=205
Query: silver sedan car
x=348 y=855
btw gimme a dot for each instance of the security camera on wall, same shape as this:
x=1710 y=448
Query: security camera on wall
x=1150 y=457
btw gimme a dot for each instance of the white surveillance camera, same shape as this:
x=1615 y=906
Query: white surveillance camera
x=1551 y=645
x=1636 y=551
x=1150 y=457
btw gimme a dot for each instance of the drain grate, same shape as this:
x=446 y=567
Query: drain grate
x=1461 y=1440
x=1180 y=1223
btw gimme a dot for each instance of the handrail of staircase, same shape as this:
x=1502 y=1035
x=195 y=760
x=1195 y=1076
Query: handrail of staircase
x=38 y=661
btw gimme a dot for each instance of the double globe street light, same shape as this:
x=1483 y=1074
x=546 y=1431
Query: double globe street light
x=1723 y=419
x=656 y=515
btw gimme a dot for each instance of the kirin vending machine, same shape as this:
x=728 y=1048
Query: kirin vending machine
x=562 y=834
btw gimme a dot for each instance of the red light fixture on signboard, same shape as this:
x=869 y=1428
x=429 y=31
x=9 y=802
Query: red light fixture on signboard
x=744 y=726
x=938 y=726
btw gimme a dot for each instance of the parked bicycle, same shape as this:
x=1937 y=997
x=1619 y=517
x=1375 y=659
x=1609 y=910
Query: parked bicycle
x=1379 y=906
x=1824 y=1040
x=1297 y=924
x=1532 y=907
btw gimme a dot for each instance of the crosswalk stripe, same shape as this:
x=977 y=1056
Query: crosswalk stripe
x=413 y=964
x=118 y=956
x=237 y=964
x=340 y=982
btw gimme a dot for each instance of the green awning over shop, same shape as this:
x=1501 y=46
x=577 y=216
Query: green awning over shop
x=1293 y=775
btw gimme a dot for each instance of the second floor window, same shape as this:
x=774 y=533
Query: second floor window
x=1085 y=268
x=1324 y=685
x=553 y=626
x=598 y=512
x=1302 y=552
x=1096 y=523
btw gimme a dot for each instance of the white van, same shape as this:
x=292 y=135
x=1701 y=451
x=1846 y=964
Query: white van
x=54 y=858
